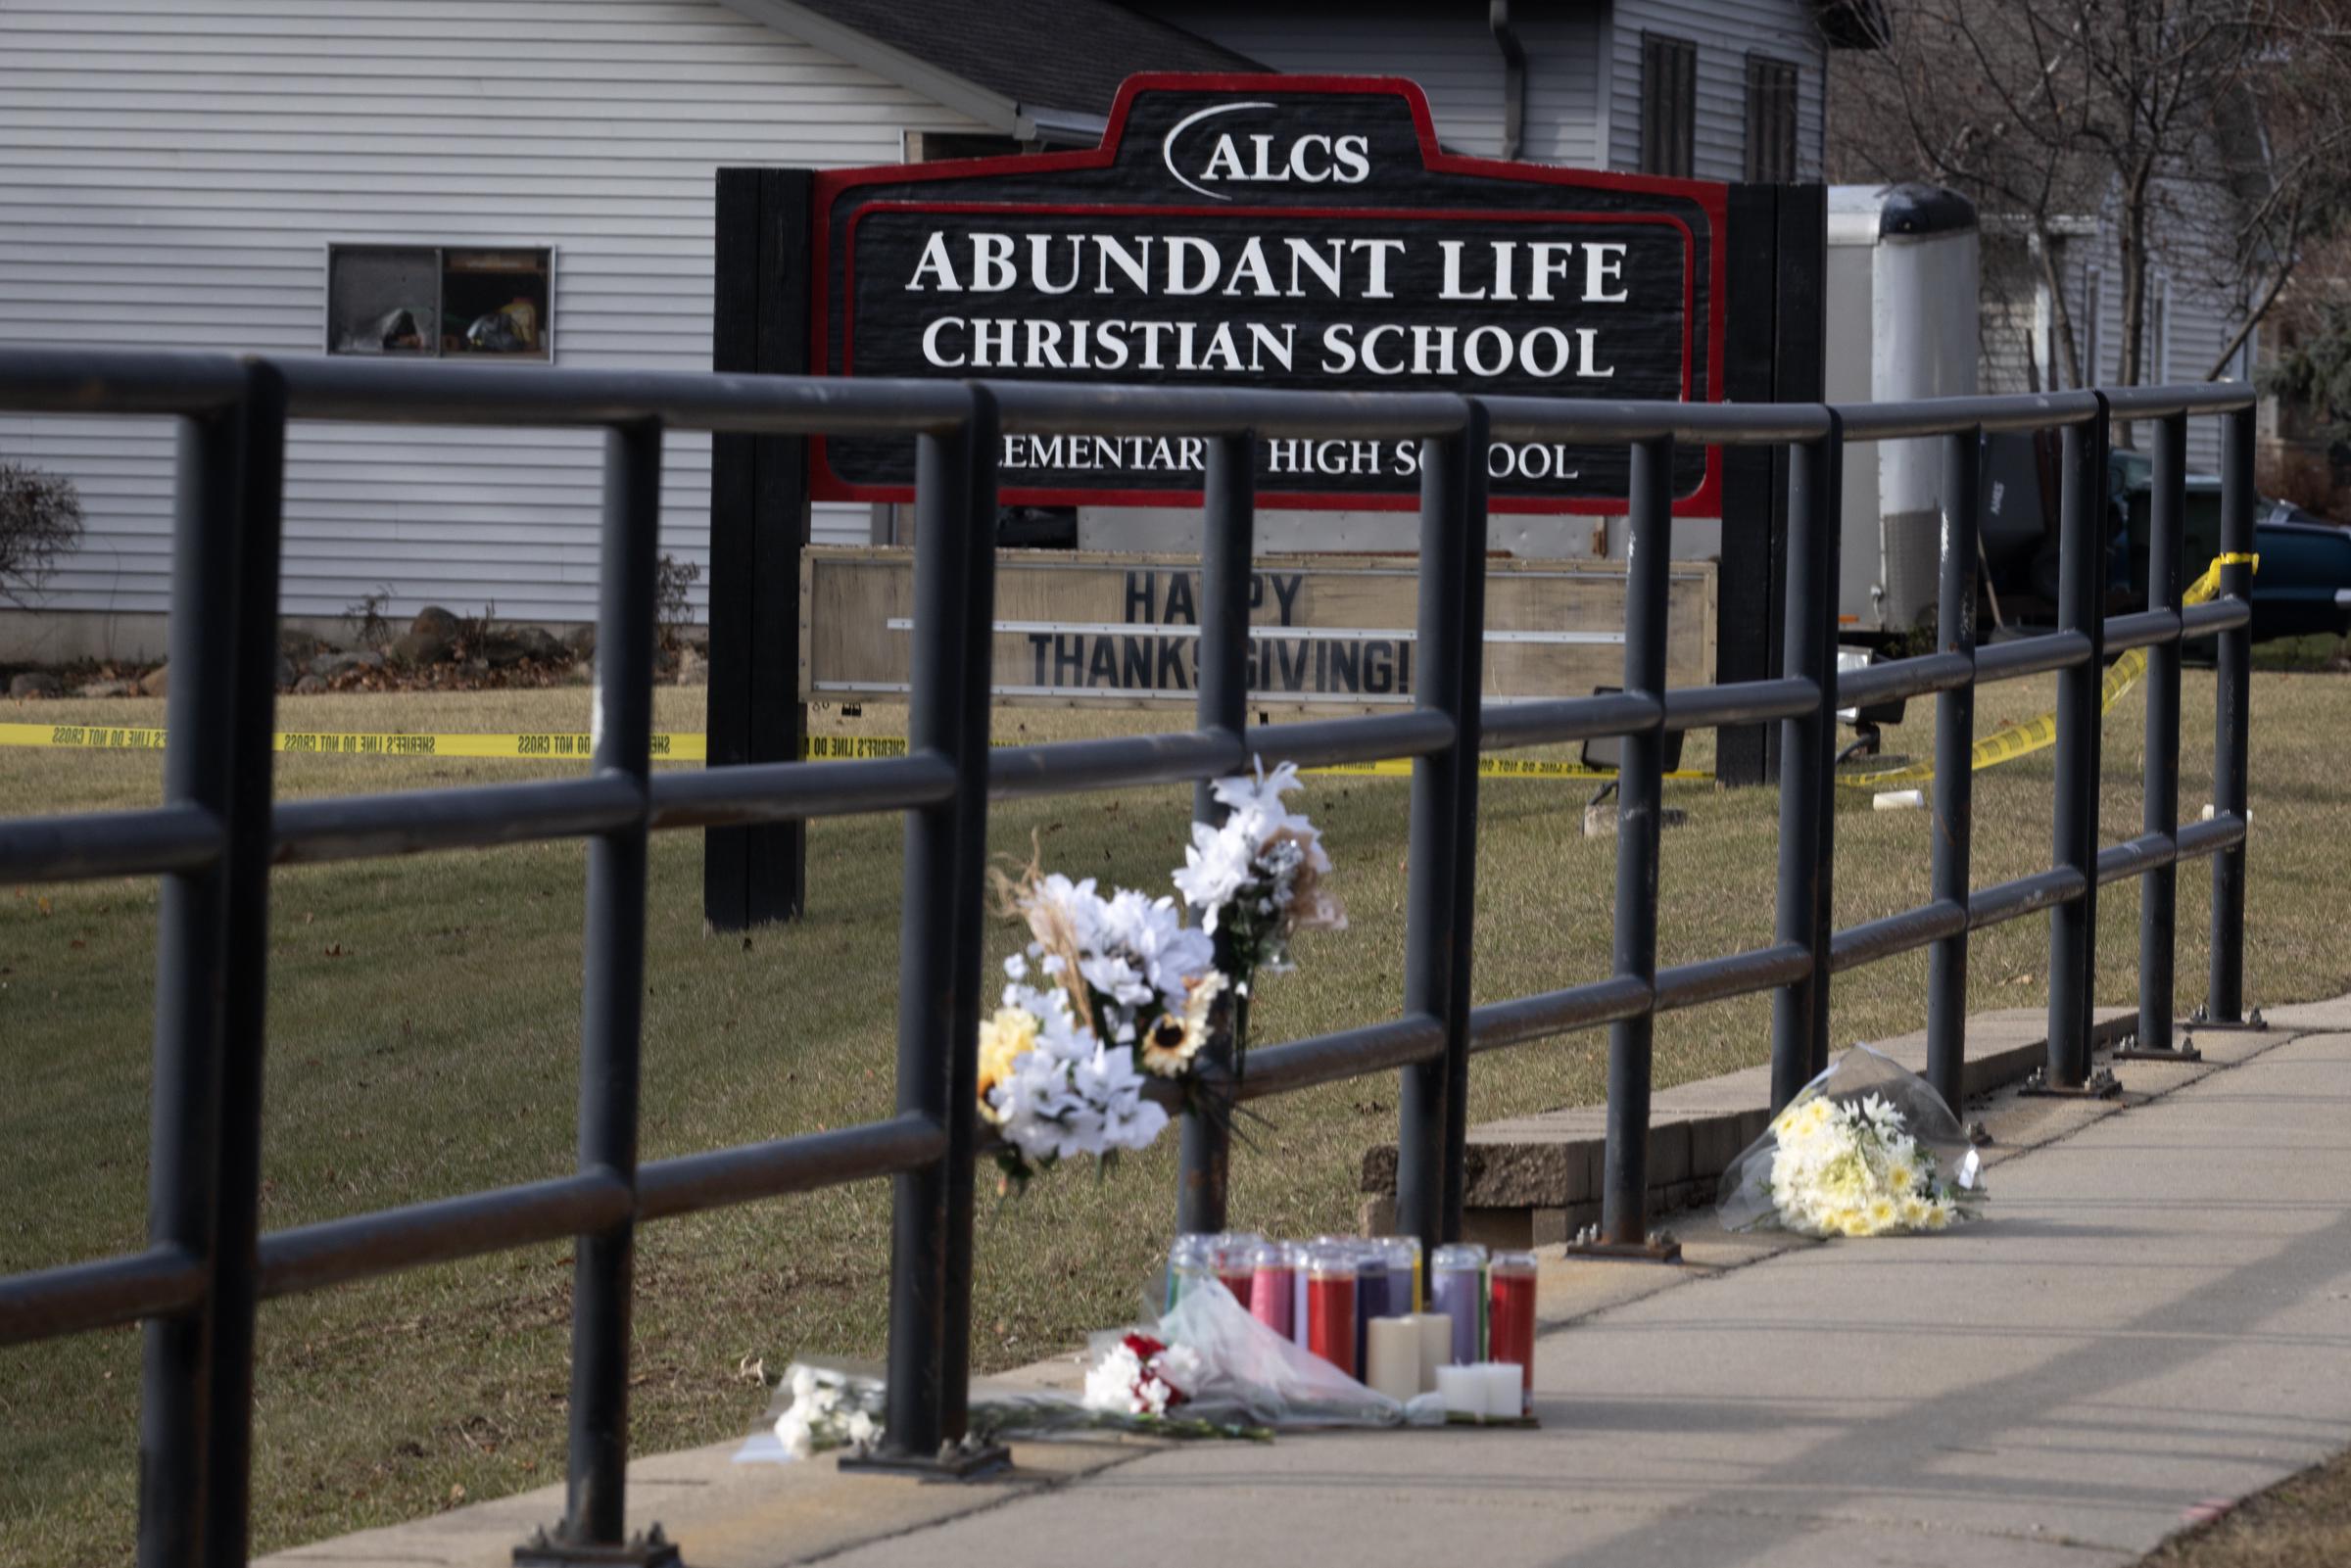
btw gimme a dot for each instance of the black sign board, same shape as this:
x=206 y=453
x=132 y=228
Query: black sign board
x=1273 y=231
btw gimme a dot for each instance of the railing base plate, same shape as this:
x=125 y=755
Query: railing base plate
x=2185 y=1050
x=1660 y=1246
x=650 y=1549
x=2100 y=1086
x=2251 y=1023
x=954 y=1461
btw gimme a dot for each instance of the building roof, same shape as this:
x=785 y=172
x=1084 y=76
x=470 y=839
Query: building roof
x=1035 y=69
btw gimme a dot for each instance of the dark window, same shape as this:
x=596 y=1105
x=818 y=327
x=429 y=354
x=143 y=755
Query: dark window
x=1669 y=104
x=937 y=146
x=1771 y=120
x=438 y=300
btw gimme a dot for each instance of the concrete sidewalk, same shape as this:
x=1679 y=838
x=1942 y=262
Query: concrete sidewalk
x=2155 y=1315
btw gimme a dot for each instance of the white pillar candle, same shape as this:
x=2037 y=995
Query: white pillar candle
x=1504 y=1384
x=1392 y=1363
x=1463 y=1390
x=1436 y=1345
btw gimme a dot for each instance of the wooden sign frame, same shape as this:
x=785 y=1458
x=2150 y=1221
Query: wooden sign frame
x=1331 y=633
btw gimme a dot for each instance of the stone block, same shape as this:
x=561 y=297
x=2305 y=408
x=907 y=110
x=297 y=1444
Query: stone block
x=1714 y=1142
x=1668 y=1153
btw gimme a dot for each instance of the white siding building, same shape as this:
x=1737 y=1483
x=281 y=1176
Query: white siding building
x=190 y=173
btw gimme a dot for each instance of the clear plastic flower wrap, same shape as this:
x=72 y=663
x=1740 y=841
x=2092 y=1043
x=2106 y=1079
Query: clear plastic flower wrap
x=1205 y=1370
x=1866 y=1149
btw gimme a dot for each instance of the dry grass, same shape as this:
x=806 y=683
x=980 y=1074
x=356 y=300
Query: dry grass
x=423 y=1015
x=2303 y=1522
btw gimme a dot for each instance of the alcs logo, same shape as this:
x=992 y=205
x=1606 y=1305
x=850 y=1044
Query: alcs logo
x=1255 y=159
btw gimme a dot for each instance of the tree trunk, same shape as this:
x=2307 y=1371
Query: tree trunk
x=2135 y=287
x=2061 y=310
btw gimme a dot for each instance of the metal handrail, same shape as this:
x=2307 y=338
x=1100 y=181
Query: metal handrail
x=217 y=833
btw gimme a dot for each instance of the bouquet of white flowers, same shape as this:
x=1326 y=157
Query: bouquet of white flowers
x=1124 y=991
x=1257 y=879
x=1867 y=1149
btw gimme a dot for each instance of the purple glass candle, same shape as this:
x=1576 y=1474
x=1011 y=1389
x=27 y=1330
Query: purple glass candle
x=1370 y=1298
x=1457 y=1278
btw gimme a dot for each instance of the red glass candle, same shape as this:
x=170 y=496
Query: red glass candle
x=1510 y=1318
x=1273 y=1290
x=1330 y=1307
x=1235 y=1259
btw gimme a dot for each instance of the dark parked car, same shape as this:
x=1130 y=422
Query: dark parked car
x=2302 y=588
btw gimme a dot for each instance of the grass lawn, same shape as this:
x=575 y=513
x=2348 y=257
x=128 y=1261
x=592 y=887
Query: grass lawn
x=2302 y=1522
x=423 y=1015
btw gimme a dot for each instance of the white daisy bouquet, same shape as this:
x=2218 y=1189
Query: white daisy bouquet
x=1126 y=997
x=1255 y=879
x=1867 y=1149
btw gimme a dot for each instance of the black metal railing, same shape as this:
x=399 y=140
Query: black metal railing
x=217 y=833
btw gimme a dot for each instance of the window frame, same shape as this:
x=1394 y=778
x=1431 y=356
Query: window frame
x=440 y=251
x=1659 y=51
x=1774 y=92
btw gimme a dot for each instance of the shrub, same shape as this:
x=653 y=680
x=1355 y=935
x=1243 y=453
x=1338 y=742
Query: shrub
x=40 y=519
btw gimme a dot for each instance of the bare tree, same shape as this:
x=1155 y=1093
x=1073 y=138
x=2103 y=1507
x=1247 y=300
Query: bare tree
x=2214 y=130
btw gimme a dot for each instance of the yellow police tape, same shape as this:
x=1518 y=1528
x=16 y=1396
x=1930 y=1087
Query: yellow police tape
x=2040 y=733
x=2016 y=740
x=667 y=747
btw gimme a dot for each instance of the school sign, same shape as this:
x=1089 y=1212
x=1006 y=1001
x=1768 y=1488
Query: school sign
x=1292 y=232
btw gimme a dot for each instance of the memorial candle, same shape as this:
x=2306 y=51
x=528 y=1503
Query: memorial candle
x=1370 y=1298
x=1273 y=1272
x=1304 y=1251
x=1188 y=1264
x=1463 y=1388
x=1510 y=1335
x=1330 y=1306
x=1435 y=1333
x=1233 y=1256
x=1392 y=1361
x=1458 y=1281
x=1403 y=1272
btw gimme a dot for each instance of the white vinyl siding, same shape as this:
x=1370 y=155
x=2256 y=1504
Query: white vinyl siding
x=2187 y=320
x=171 y=172
x=1726 y=33
x=1448 y=49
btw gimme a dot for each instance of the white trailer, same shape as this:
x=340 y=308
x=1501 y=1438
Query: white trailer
x=1901 y=315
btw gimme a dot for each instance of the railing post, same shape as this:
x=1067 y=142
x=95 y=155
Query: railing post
x=611 y=1024
x=1640 y=793
x=1954 y=767
x=1228 y=530
x=237 y=1189
x=1807 y=761
x=2232 y=721
x=2158 y=897
x=976 y=528
x=1440 y=899
x=193 y=1498
x=2082 y=608
x=922 y=1298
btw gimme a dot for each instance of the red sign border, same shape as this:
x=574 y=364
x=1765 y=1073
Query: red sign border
x=1710 y=196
